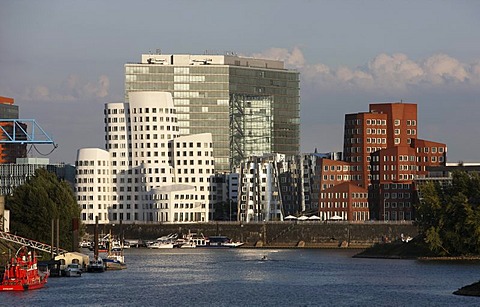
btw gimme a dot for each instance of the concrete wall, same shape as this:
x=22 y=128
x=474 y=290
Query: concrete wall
x=275 y=234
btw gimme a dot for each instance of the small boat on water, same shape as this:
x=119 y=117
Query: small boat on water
x=161 y=244
x=188 y=244
x=115 y=259
x=211 y=241
x=164 y=242
x=96 y=265
x=73 y=270
x=222 y=241
x=22 y=273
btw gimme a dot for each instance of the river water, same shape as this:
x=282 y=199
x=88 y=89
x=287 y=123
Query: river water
x=238 y=277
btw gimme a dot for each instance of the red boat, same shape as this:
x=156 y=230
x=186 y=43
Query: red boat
x=22 y=273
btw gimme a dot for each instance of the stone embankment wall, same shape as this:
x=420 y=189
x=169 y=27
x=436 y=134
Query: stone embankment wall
x=275 y=234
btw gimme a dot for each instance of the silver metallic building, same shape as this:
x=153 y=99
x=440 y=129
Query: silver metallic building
x=250 y=106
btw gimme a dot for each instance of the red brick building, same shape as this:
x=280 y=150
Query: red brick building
x=383 y=156
x=345 y=200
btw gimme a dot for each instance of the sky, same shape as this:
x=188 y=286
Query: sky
x=63 y=60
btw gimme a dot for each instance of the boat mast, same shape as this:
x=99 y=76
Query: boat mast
x=95 y=239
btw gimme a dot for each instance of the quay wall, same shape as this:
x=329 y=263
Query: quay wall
x=274 y=234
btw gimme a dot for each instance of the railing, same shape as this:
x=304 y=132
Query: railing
x=30 y=243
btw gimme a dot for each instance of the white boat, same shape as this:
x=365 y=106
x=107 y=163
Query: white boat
x=233 y=244
x=115 y=260
x=115 y=245
x=85 y=244
x=170 y=237
x=190 y=244
x=161 y=244
x=195 y=240
x=185 y=243
x=221 y=241
x=73 y=270
x=164 y=242
x=96 y=265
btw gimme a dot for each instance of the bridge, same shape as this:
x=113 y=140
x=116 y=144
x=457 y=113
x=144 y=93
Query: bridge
x=30 y=243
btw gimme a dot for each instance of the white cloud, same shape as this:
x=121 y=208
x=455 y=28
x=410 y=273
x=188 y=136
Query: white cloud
x=385 y=73
x=73 y=88
x=441 y=68
x=294 y=58
x=395 y=71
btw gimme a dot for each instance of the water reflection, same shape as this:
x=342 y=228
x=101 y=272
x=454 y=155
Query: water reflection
x=239 y=277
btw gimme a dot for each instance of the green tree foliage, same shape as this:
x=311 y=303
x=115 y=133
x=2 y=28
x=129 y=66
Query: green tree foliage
x=33 y=206
x=449 y=217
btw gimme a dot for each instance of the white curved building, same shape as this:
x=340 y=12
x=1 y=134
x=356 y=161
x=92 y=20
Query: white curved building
x=143 y=155
x=93 y=183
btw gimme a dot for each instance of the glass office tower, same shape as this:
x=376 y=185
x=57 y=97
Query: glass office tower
x=250 y=106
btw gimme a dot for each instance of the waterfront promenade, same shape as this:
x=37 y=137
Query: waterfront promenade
x=276 y=234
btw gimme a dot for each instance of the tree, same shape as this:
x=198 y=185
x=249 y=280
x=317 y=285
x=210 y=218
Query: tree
x=34 y=204
x=449 y=217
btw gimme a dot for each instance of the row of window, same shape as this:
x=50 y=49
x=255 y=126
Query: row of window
x=374 y=149
x=376 y=122
x=360 y=205
x=338 y=178
x=432 y=149
x=376 y=131
x=394 y=177
x=190 y=153
x=92 y=163
x=361 y=215
x=400 y=204
x=343 y=195
x=395 y=186
x=396 y=195
x=333 y=204
x=91 y=172
x=376 y=141
x=153 y=110
x=337 y=168
x=155 y=128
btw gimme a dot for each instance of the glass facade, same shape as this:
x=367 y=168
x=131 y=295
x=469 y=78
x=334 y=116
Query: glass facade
x=215 y=99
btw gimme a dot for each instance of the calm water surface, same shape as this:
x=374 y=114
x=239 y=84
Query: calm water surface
x=238 y=277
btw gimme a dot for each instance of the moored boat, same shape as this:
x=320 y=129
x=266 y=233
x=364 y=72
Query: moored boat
x=221 y=241
x=161 y=244
x=22 y=273
x=96 y=265
x=164 y=242
x=115 y=261
x=73 y=270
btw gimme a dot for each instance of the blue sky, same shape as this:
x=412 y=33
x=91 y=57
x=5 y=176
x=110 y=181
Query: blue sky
x=62 y=60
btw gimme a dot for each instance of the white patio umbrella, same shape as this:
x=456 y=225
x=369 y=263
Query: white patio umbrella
x=314 y=218
x=290 y=217
x=303 y=218
x=336 y=218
